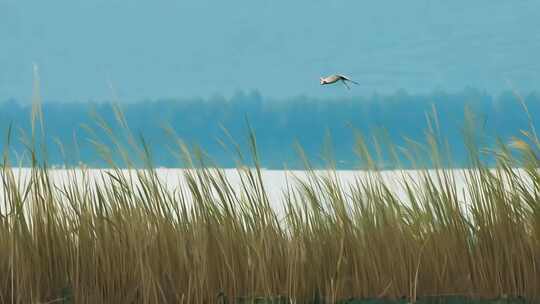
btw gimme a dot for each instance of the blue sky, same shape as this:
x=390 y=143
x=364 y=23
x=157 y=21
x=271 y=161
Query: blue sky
x=174 y=49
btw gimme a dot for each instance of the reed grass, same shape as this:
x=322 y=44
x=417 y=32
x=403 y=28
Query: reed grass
x=125 y=237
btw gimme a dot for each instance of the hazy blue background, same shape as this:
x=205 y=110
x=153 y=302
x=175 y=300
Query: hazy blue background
x=198 y=64
x=278 y=124
x=176 y=48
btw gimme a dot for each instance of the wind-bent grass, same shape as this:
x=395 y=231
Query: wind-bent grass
x=125 y=237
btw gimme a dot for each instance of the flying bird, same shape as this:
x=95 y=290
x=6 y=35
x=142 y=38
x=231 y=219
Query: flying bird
x=335 y=78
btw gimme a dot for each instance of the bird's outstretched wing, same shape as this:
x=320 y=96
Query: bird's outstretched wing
x=343 y=77
x=345 y=84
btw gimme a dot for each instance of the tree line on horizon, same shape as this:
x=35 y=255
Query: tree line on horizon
x=277 y=124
